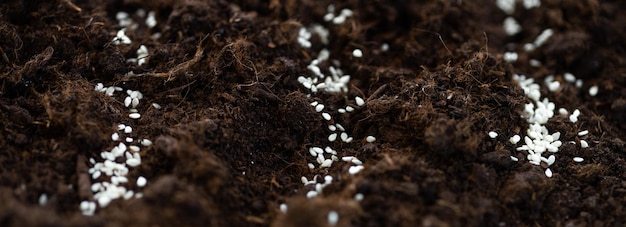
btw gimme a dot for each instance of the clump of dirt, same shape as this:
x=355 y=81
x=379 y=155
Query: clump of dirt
x=231 y=139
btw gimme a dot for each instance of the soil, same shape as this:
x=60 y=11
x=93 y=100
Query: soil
x=231 y=138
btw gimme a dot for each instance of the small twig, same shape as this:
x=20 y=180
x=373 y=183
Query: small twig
x=377 y=92
x=72 y=6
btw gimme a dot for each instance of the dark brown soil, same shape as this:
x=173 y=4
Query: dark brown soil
x=226 y=73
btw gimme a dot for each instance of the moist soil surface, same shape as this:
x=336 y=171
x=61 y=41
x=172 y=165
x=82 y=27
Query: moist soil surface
x=232 y=134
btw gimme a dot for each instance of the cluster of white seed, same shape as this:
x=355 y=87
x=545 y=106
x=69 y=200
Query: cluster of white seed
x=329 y=79
x=539 y=143
x=110 y=175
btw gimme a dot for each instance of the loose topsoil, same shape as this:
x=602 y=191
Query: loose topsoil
x=231 y=138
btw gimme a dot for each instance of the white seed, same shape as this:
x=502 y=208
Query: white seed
x=141 y=181
x=318 y=150
x=578 y=159
x=304 y=180
x=359 y=197
x=135 y=102
x=133 y=162
x=511 y=27
x=104 y=201
x=548 y=172
x=96 y=175
x=355 y=169
x=127 y=101
x=333 y=218
x=128 y=129
x=134 y=115
x=340 y=127
x=344 y=136
x=84 y=205
x=569 y=77
x=543 y=37
x=349 y=108
x=332 y=137
x=554 y=85
x=357 y=53
x=311 y=166
x=332 y=128
x=312 y=152
x=359 y=101
x=347 y=158
x=326 y=116
x=327 y=163
x=328 y=179
x=514 y=139
x=551 y=160
x=510 y=56
x=583 y=144
x=134 y=148
x=356 y=161
x=283 y=208
x=313 y=103
x=370 y=139
x=341 y=110
x=109 y=91
x=43 y=199
x=513 y=158
x=146 y=142
x=563 y=111
x=582 y=133
x=115 y=136
x=311 y=194
x=156 y=105
x=508 y=6
x=319 y=108
x=493 y=134
x=579 y=83
x=128 y=195
x=129 y=139
x=593 y=90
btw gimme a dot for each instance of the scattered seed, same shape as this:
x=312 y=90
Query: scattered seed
x=593 y=90
x=146 y=142
x=582 y=133
x=513 y=158
x=326 y=116
x=370 y=139
x=134 y=115
x=319 y=108
x=583 y=144
x=359 y=197
x=333 y=218
x=283 y=208
x=359 y=101
x=311 y=194
x=357 y=53
x=514 y=139
x=355 y=169
x=493 y=134
x=548 y=172
x=115 y=136
x=141 y=181
x=332 y=137
x=578 y=159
